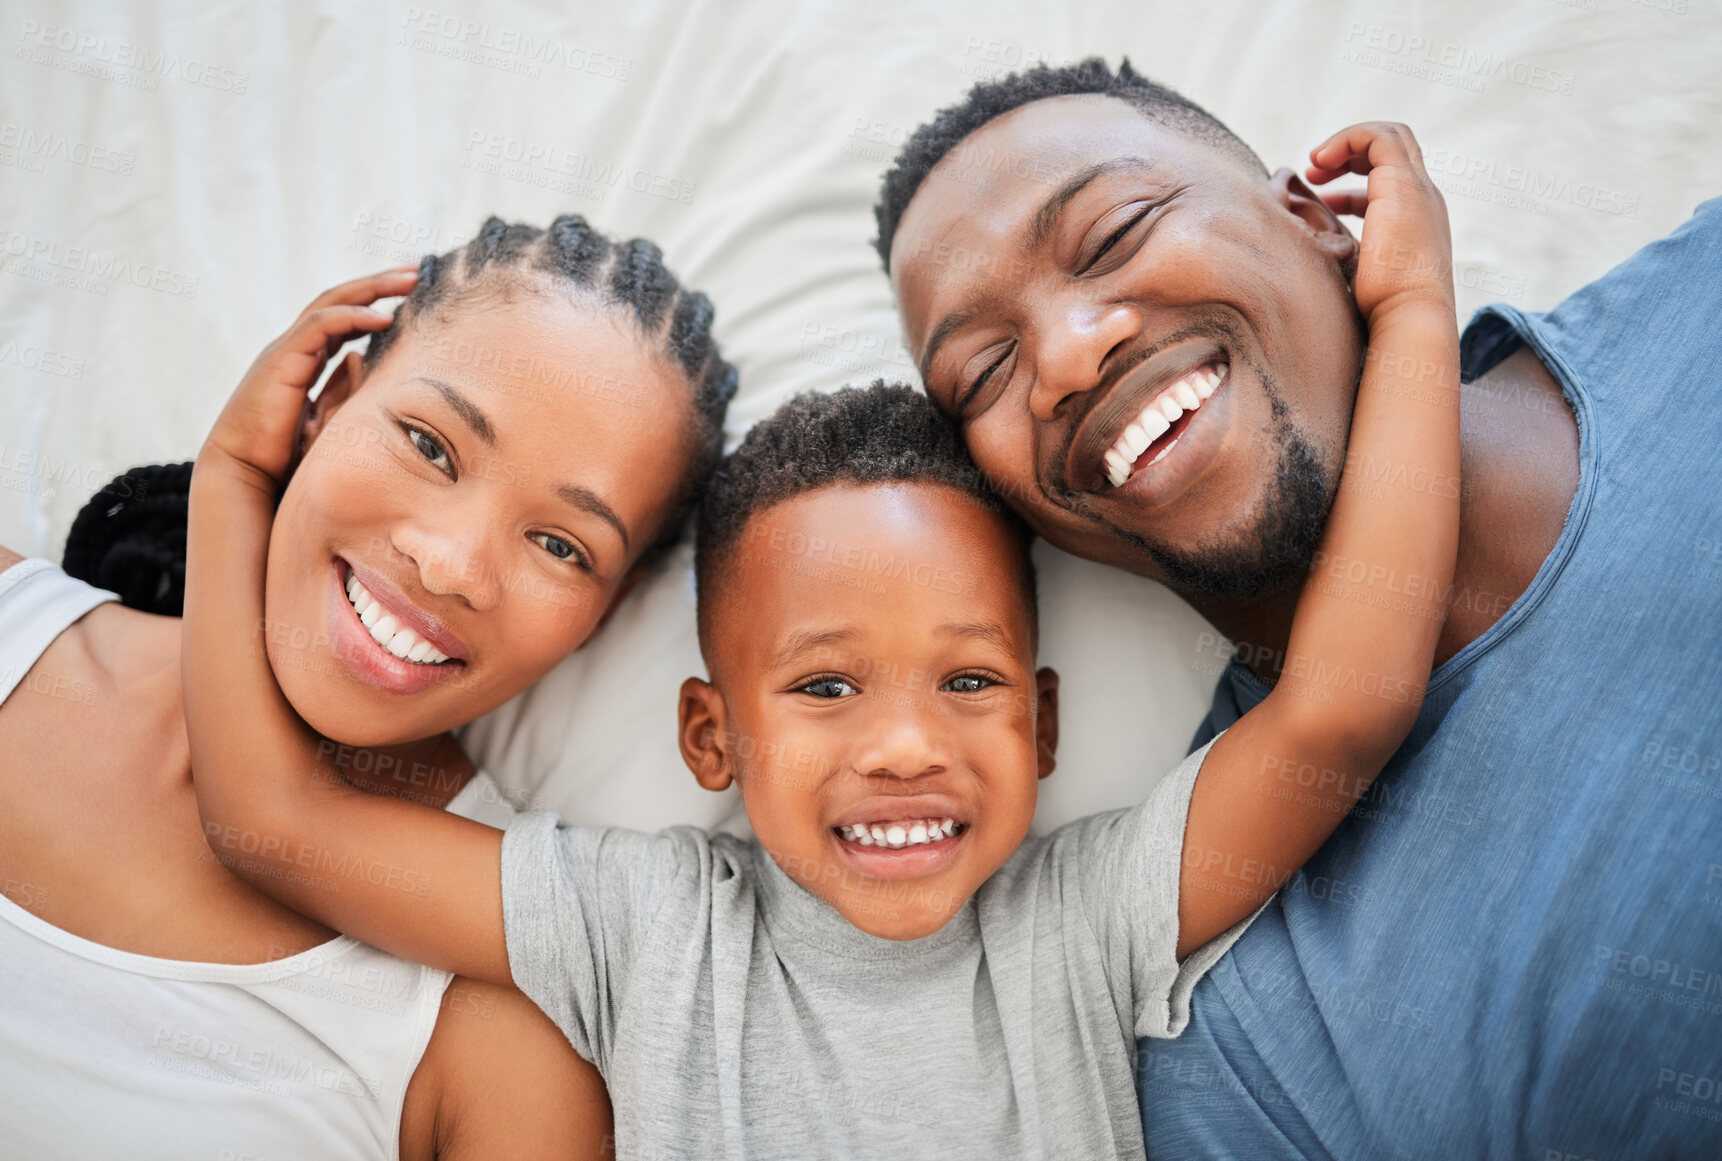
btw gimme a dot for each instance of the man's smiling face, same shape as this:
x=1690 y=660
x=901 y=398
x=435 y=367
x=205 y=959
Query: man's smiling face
x=1150 y=345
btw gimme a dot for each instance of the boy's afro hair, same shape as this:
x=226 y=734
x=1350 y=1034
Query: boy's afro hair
x=877 y=434
x=929 y=144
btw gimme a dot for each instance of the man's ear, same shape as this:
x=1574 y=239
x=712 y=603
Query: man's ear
x=337 y=389
x=1046 y=720
x=702 y=734
x=1329 y=232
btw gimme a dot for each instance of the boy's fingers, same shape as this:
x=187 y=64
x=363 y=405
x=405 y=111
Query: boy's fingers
x=1322 y=174
x=324 y=331
x=366 y=290
x=1359 y=148
x=1351 y=203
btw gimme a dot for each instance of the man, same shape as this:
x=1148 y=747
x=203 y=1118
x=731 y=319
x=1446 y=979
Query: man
x=1513 y=948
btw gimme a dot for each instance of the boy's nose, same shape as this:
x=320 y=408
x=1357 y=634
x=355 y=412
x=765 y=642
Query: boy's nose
x=903 y=741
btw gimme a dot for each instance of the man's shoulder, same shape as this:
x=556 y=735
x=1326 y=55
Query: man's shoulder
x=1675 y=280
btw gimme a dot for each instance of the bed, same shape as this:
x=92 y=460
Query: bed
x=177 y=180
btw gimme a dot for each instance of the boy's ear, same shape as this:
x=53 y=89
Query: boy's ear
x=702 y=725
x=337 y=389
x=1046 y=720
x=1329 y=232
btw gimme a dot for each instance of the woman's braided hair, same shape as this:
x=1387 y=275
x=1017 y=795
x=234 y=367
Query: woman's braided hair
x=131 y=536
x=626 y=276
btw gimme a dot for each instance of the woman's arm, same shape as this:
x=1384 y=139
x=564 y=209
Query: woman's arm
x=412 y=880
x=1363 y=638
x=499 y=1079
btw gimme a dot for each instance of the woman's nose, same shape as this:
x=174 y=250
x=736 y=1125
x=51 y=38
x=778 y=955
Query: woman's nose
x=452 y=563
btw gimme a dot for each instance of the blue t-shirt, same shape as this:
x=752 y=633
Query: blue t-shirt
x=1513 y=947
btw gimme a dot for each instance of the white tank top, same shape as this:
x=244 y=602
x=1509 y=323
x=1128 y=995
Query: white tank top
x=107 y=1055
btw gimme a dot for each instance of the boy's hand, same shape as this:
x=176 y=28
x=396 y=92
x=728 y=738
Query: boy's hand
x=260 y=425
x=1407 y=250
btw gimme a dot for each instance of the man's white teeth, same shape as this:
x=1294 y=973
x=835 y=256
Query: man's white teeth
x=389 y=633
x=897 y=835
x=1157 y=417
x=1136 y=440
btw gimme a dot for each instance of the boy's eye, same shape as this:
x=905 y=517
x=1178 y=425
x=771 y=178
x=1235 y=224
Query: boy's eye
x=828 y=687
x=968 y=683
x=430 y=449
x=559 y=548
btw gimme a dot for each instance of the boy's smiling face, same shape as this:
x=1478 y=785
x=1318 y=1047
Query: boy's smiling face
x=879 y=684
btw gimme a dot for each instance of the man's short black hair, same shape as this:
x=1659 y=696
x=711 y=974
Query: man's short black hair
x=930 y=144
x=879 y=434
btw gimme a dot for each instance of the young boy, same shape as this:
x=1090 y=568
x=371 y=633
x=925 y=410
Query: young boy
x=890 y=969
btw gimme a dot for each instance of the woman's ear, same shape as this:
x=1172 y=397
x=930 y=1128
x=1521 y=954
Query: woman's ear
x=337 y=389
x=1330 y=234
x=702 y=734
x=1046 y=720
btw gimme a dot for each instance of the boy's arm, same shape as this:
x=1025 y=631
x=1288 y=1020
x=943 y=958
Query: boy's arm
x=409 y=879
x=1363 y=638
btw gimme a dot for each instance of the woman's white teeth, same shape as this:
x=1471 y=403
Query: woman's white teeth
x=1161 y=412
x=896 y=835
x=387 y=632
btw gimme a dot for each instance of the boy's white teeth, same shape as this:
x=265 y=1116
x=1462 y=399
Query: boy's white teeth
x=387 y=632
x=1156 y=418
x=899 y=834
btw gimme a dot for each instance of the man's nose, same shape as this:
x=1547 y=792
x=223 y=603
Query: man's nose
x=1074 y=343
x=453 y=560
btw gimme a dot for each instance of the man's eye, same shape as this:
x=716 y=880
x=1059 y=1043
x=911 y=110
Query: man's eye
x=1117 y=236
x=967 y=395
x=828 y=687
x=430 y=449
x=968 y=683
x=559 y=548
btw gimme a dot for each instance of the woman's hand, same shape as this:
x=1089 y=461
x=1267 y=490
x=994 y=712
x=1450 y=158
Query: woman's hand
x=1406 y=249
x=259 y=427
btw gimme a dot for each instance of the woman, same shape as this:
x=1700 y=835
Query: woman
x=473 y=497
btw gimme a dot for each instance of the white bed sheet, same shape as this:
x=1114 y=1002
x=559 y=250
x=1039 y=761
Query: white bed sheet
x=176 y=180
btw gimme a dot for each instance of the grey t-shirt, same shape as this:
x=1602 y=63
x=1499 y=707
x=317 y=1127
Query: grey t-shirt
x=735 y=1014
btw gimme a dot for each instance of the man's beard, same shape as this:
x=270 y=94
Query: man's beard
x=1275 y=551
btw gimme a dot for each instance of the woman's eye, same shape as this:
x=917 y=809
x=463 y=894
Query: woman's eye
x=828 y=687
x=968 y=683
x=430 y=449
x=559 y=548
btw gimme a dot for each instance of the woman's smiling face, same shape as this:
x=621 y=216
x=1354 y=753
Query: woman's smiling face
x=488 y=488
